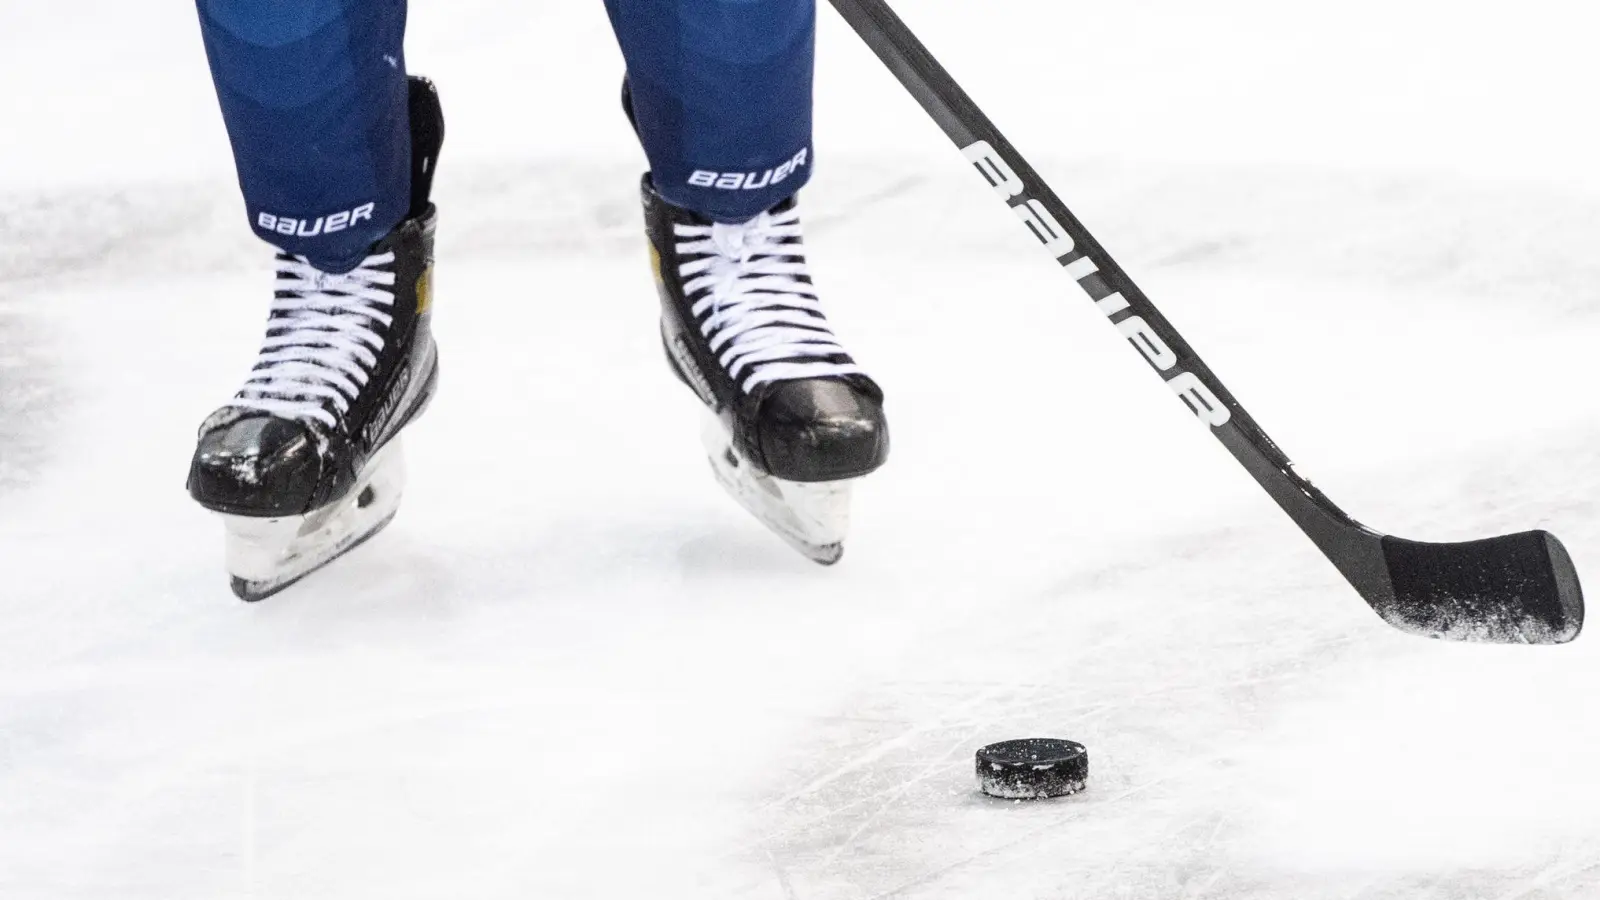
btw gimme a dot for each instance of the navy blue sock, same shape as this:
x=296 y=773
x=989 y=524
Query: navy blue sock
x=314 y=96
x=721 y=98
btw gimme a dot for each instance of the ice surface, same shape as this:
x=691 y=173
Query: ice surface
x=572 y=668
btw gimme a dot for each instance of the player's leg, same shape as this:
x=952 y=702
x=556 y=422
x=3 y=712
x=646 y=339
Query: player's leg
x=720 y=93
x=335 y=149
x=721 y=88
x=314 y=93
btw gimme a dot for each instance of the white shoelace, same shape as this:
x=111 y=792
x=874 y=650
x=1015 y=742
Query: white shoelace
x=765 y=322
x=323 y=339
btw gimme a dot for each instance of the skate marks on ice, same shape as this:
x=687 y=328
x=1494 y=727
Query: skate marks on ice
x=31 y=395
x=84 y=234
x=1244 y=744
x=1199 y=690
x=1405 y=231
x=896 y=813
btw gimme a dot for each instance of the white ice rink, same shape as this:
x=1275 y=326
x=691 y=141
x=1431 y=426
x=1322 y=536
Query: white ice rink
x=573 y=669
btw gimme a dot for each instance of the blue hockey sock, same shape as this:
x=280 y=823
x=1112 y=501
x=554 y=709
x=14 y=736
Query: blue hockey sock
x=721 y=94
x=314 y=96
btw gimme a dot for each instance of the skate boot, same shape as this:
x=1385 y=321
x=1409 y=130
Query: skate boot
x=791 y=420
x=305 y=462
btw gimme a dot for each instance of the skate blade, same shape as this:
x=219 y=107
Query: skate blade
x=256 y=591
x=811 y=518
x=266 y=556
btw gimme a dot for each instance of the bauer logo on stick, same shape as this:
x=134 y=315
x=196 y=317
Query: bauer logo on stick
x=1002 y=176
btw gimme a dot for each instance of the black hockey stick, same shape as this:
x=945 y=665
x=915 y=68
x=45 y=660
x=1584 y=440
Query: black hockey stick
x=1518 y=588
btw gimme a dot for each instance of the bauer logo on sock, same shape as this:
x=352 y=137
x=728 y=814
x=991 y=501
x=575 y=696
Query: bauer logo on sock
x=309 y=228
x=749 y=181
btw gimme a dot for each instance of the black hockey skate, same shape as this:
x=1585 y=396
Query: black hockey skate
x=792 y=419
x=305 y=462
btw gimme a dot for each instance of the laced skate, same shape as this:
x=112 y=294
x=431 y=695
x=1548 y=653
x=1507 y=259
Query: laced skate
x=792 y=420
x=323 y=340
x=305 y=463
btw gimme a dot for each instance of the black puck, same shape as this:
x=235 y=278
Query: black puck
x=1033 y=769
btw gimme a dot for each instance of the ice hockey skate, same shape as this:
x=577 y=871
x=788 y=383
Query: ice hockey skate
x=791 y=419
x=305 y=462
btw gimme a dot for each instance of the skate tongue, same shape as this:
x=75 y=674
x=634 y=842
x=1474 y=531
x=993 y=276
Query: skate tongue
x=734 y=241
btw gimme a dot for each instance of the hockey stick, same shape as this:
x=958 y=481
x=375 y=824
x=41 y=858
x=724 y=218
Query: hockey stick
x=1518 y=588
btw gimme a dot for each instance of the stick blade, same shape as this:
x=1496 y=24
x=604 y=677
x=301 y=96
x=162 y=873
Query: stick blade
x=1513 y=589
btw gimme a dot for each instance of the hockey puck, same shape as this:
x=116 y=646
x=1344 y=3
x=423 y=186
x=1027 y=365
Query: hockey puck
x=1033 y=769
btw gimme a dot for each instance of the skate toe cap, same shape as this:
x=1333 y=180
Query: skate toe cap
x=256 y=466
x=822 y=430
